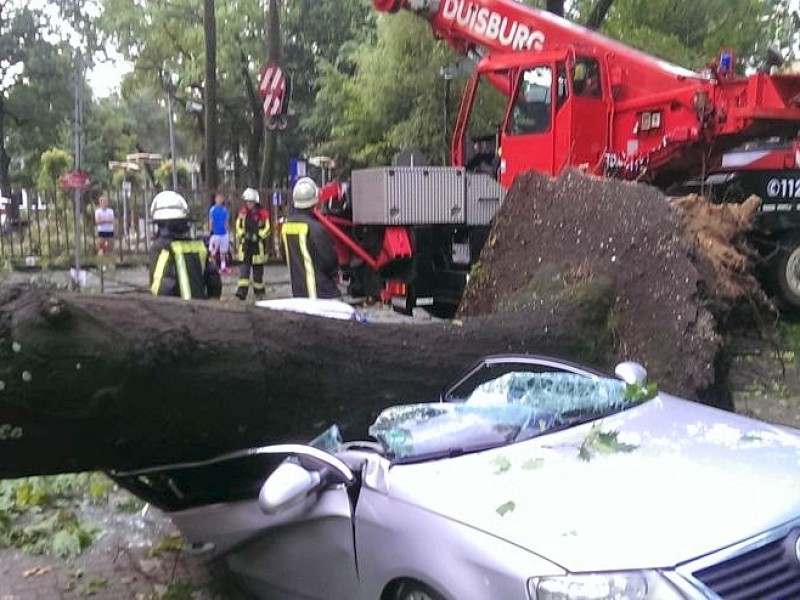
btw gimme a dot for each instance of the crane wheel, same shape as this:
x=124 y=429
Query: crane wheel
x=786 y=272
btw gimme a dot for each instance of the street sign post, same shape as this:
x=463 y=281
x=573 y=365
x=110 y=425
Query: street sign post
x=76 y=180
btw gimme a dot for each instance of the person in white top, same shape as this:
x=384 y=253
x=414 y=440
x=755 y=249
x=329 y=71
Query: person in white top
x=104 y=220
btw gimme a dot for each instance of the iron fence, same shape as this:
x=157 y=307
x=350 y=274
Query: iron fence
x=43 y=234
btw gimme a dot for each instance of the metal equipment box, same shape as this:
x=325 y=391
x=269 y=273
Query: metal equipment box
x=409 y=195
x=484 y=197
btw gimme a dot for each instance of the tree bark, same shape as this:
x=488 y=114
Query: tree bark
x=599 y=12
x=556 y=7
x=5 y=159
x=210 y=32
x=100 y=382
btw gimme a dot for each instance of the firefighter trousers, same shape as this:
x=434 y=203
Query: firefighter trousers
x=243 y=285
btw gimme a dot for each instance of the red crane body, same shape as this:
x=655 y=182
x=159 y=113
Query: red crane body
x=575 y=98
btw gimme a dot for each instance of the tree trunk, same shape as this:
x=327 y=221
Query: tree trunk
x=599 y=13
x=210 y=32
x=256 y=136
x=556 y=7
x=98 y=382
x=5 y=159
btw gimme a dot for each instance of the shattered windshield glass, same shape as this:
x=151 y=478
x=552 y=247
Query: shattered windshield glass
x=510 y=408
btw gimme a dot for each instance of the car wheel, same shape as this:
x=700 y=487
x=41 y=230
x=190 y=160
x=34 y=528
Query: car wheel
x=411 y=590
x=787 y=272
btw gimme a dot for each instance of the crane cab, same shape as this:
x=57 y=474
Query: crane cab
x=551 y=110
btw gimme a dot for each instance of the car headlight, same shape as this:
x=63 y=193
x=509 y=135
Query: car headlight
x=624 y=585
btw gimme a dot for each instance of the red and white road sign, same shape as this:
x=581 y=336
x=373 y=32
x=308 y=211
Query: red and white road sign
x=76 y=180
x=272 y=89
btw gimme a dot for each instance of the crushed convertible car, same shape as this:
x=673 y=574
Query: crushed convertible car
x=529 y=478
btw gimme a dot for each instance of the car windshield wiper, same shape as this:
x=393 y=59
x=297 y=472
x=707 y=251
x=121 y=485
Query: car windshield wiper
x=450 y=452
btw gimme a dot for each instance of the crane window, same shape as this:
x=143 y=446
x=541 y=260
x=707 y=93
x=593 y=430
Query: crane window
x=586 y=78
x=533 y=102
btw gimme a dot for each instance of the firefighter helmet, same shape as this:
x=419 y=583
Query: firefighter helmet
x=250 y=195
x=169 y=206
x=305 y=193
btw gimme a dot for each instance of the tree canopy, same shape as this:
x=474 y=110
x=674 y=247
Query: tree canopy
x=364 y=85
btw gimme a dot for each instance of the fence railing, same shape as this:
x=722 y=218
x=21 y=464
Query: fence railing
x=44 y=233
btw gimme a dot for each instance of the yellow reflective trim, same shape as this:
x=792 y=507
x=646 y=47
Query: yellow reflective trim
x=243 y=283
x=263 y=232
x=301 y=231
x=239 y=226
x=158 y=273
x=184 y=286
x=259 y=286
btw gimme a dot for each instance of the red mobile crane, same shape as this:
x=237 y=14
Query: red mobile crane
x=571 y=97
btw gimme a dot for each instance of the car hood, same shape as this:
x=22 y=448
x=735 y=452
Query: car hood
x=681 y=481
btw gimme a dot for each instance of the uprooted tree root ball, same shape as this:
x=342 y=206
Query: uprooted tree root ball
x=668 y=270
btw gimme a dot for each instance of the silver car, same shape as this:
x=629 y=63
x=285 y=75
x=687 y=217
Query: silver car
x=529 y=478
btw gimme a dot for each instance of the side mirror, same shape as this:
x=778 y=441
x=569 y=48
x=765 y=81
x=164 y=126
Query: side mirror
x=631 y=373
x=285 y=487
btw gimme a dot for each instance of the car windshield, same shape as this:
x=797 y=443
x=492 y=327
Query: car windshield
x=512 y=407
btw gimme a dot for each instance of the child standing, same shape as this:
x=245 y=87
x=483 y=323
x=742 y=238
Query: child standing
x=220 y=238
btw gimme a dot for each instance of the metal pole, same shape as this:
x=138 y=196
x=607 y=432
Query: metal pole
x=76 y=194
x=172 y=139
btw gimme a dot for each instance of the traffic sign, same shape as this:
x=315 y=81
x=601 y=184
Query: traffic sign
x=76 y=180
x=272 y=89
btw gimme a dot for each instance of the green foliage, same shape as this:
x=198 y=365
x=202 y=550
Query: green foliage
x=501 y=465
x=37 y=513
x=789 y=336
x=53 y=164
x=598 y=441
x=638 y=393
x=393 y=100
x=691 y=33
x=163 y=174
x=166 y=545
x=131 y=505
x=177 y=590
x=506 y=508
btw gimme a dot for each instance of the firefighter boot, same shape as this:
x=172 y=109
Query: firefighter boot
x=259 y=288
x=243 y=284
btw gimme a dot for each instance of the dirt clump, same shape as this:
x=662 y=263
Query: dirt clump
x=667 y=269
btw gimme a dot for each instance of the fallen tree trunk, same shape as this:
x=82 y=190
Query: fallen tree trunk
x=100 y=382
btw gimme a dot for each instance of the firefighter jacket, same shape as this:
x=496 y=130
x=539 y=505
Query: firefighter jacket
x=179 y=266
x=313 y=267
x=252 y=229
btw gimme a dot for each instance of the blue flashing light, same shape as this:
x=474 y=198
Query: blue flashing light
x=725 y=62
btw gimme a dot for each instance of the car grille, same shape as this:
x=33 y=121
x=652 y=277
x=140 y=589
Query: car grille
x=770 y=572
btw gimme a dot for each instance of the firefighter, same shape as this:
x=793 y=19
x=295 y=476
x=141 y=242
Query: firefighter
x=252 y=229
x=310 y=256
x=179 y=264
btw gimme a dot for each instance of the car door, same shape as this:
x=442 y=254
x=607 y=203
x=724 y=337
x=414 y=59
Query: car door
x=304 y=550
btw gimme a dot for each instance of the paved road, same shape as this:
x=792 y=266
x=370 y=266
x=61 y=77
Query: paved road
x=123 y=280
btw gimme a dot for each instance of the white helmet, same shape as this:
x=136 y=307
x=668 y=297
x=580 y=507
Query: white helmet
x=169 y=206
x=250 y=195
x=305 y=193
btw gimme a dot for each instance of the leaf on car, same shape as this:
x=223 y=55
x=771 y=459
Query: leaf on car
x=533 y=463
x=638 y=393
x=501 y=465
x=750 y=437
x=506 y=507
x=598 y=441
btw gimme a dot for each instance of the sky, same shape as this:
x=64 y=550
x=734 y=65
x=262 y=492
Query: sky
x=105 y=78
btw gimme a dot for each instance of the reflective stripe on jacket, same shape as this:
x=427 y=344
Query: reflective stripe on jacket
x=252 y=230
x=313 y=267
x=180 y=269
